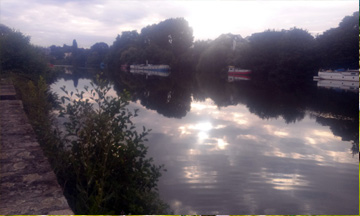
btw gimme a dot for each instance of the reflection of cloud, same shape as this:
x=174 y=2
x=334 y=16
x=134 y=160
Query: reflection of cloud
x=276 y=152
x=310 y=140
x=248 y=137
x=194 y=152
x=240 y=119
x=274 y=130
x=341 y=157
x=220 y=126
x=202 y=126
x=178 y=206
x=222 y=144
x=324 y=134
x=251 y=201
x=202 y=135
x=317 y=139
x=199 y=106
x=233 y=154
x=183 y=131
x=283 y=181
x=281 y=133
x=195 y=175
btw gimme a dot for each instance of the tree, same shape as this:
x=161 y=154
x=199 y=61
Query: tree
x=56 y=52
x=18 y=55
x=132 y=56
x=284 y=55
x=161 y=43
x=122 y=42
x=218 y=55
x=172 y=34
x=338 y=46
x=97 y=54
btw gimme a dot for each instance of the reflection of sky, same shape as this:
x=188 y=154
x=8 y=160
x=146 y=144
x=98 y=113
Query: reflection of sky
x=69 y=87
x=227 y=160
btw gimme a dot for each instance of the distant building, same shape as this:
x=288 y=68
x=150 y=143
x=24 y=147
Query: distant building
x=68 y=54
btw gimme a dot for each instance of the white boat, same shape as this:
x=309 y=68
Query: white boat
x=339 y=84
x=151 y=70
x=345 y=75
x=238 y=71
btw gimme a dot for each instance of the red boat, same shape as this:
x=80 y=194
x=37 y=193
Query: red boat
x=238 y=74
x=125 y=67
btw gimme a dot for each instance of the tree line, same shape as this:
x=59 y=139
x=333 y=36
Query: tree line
x=278 y=53
x=292 y=53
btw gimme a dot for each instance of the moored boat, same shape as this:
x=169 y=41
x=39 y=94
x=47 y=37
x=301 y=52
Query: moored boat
x=238 y=71
x=339 y=84
x=151 y=70
x=232 y=78
x=235 y=74
x=345 y=75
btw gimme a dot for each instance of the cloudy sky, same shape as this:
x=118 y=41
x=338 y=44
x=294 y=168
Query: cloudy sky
x=58 y=22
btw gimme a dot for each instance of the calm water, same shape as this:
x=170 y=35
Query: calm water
x=239 y=148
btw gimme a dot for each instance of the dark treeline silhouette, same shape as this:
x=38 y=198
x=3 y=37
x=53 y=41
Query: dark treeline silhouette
x=290 y=55
x=285 y=54
x=281 y=61
x=79 y=57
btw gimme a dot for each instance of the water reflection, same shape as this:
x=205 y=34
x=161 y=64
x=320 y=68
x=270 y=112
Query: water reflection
x=237 y=148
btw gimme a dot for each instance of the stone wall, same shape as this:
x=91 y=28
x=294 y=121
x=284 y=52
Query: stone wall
x=27 y=183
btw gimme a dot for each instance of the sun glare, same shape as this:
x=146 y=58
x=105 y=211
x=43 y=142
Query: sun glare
x=216 y=18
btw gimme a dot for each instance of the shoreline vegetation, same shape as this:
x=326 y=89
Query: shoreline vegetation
x=99 y=158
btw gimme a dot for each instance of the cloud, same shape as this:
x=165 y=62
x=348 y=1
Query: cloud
x=57 y=22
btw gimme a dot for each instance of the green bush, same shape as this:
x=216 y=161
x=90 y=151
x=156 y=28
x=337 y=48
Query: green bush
x=108 y=171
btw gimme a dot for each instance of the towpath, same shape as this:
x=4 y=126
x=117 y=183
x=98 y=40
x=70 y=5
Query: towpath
x=27 y=183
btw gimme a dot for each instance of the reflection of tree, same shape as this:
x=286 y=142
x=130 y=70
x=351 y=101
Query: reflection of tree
x=168 y=96
x=290 y=102
x=346 y=129
x=172 y=97
x=75 y=74
x=273 y=103
x=338 y=103
x=168 y=102
x=268 y=101
x=336 y=109
x=355 y=148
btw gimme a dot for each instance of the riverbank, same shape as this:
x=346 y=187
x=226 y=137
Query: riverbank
x=28 y=184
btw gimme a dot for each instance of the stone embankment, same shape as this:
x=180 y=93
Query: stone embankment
x=27 y=183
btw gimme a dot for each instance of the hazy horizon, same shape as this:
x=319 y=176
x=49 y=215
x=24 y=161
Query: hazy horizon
x=56 y=22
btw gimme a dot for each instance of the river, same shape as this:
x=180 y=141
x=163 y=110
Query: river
x=246 y=147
